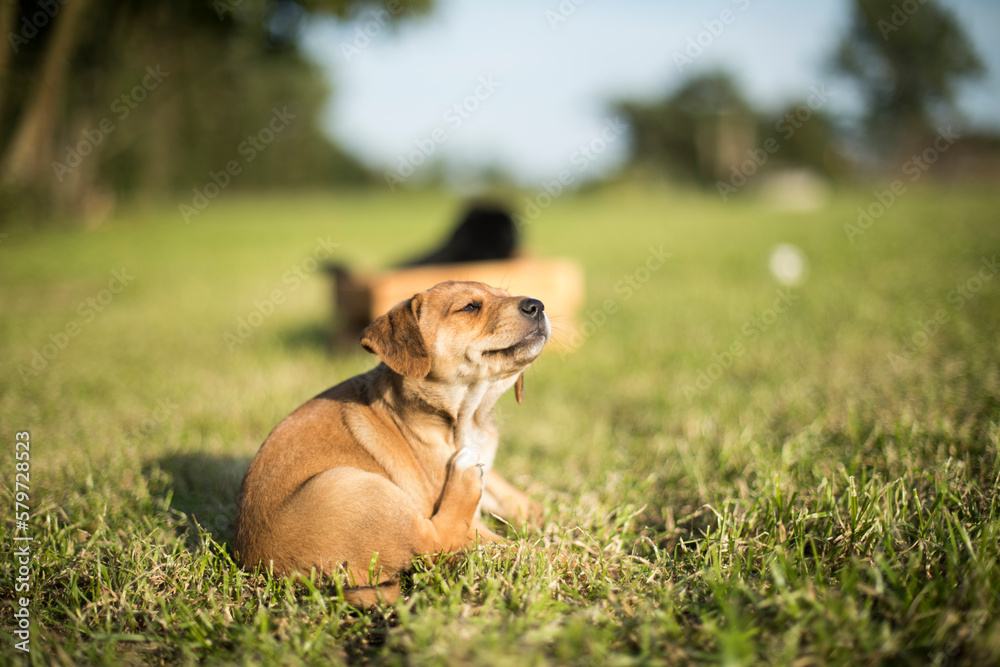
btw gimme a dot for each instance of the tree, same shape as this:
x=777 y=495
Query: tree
x=804 y=136
x=907 y=57
x=123 y=98
x=8 y=15
x=698 y=133
x=31 y=144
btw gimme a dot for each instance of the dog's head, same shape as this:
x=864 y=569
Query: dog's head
x=460 y=333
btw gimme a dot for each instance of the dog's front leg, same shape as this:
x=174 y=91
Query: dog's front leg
x=507 y=501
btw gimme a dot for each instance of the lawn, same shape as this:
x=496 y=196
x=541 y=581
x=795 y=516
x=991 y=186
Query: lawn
x=733 y=471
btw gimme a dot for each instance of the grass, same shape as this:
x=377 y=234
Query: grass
x=830 y=496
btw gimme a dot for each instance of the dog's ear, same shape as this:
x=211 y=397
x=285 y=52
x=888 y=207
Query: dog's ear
x=519 y=389
x=395 y=337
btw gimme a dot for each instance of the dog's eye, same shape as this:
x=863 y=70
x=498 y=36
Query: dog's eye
x=471 y=307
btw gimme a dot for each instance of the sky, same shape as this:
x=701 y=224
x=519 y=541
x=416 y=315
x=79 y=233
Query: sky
x=524 y=85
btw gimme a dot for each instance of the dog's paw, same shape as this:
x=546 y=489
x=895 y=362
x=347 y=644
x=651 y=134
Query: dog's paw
x=466 y=458
x=469 y=470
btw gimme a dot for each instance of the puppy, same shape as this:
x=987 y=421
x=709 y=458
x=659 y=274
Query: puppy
x=392 y=464
x=487 y=232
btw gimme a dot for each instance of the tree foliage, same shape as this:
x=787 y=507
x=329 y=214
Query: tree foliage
x=907 y=57
x=706 y=132
x=694 y=133
x=108 y=99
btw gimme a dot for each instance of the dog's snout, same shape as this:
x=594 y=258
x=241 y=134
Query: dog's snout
x=532 y=308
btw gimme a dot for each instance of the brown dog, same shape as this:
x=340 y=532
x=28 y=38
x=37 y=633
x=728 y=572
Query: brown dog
x=391 y=464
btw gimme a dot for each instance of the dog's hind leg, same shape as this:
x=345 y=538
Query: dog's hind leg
x=364 y=531
x=454 y=525
x=455 y=521
x=372 y=527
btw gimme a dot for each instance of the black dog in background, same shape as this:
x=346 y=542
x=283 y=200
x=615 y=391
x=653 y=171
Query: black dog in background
x=486 y=232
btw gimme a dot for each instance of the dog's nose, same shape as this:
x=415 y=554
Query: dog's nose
x=532 y=308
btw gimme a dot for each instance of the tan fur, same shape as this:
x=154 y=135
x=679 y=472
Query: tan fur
x=370 y=469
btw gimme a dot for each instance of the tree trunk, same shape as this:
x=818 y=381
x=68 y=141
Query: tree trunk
x=8 y=19
x=30 y=148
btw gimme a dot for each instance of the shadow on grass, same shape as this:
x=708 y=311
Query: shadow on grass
x=314 y=336
x=204 y=488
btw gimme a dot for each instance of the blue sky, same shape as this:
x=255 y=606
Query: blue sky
x=532 y=83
